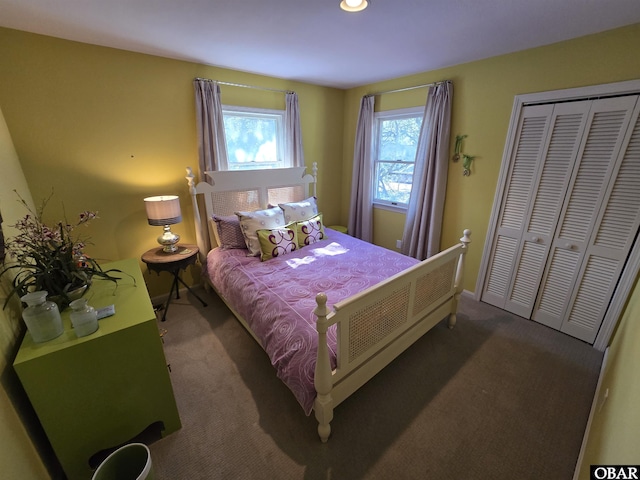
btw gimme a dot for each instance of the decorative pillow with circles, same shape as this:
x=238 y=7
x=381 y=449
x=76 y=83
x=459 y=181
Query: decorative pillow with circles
x=251 y=222
x=277 y=242
x=299 y=211
x=228 y=232
x=310 y=231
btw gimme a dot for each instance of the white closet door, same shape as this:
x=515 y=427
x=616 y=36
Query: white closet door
x=525 y=162
x=543 y=210
x=596 y=163
x=610 y=243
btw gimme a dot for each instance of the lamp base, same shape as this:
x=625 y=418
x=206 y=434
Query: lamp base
x=169 y=240
x=170 y=248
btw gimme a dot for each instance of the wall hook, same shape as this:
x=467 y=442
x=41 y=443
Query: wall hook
x=466 y=159
x=466 y=164
x=458 y=147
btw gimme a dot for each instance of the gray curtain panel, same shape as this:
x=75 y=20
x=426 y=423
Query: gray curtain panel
x=212 y=147
x=423 y=225
x=293 y=135
x=361 y=210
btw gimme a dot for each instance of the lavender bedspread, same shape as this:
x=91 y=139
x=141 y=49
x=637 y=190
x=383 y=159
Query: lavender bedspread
x=277 y=297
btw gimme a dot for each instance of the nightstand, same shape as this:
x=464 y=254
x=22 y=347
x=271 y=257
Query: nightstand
x=159 y=261
x=97 y=392
x=338 y=228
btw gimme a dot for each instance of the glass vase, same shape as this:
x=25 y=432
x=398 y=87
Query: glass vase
x=42 y=317
x=84 y=317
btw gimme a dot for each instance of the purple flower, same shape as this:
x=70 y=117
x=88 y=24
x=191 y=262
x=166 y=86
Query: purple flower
x=49 y=256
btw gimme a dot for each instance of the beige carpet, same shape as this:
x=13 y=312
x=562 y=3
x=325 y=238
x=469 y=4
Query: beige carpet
x=498 y=397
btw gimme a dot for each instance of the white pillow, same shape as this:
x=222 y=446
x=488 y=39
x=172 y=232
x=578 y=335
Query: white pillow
x=300 y=211
x=251 y=222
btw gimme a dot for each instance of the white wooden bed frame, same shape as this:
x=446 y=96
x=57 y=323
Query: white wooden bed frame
x=374 y=326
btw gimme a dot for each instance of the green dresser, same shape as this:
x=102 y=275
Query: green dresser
x=100 y=391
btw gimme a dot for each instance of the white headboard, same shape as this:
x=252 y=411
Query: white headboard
x=233 y=190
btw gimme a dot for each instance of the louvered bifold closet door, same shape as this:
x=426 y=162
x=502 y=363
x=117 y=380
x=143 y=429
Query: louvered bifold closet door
x=587 y=192
x=610 y=243
x=561 y=148
x=525 y=161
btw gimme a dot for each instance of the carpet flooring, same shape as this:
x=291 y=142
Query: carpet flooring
x=497 y=397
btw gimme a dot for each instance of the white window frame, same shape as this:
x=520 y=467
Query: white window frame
x=378 y=117
x=254 y=112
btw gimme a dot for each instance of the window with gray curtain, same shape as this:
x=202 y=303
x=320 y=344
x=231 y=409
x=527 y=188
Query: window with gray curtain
x=234 y=138
x=387 y=176
x=423 y=225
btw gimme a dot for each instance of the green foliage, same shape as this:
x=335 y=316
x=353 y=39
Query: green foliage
x=50 y=258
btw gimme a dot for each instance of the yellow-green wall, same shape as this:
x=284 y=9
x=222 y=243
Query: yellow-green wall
x=104 y=128
x=616 y=422
x=18 y=456
x=483 y=94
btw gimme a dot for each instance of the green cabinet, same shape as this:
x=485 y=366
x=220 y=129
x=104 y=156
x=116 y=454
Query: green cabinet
x=100 y=391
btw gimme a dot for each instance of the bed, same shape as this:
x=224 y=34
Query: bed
x=331 y=313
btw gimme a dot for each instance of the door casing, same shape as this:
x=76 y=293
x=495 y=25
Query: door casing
x=632 y=266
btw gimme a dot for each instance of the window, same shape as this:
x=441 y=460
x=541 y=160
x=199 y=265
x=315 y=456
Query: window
x=254 y=137
x=396 y=135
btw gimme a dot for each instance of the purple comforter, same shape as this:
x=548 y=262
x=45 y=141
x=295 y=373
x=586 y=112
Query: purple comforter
x=277 y=297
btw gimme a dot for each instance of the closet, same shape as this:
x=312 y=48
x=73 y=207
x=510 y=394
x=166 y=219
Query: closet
x=567 y=217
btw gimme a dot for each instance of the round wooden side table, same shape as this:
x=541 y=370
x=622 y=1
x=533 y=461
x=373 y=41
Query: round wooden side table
x=159 y=261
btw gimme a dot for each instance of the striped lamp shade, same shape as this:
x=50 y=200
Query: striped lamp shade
x=163 y=210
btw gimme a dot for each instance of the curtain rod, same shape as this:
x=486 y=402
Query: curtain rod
x=407 y=88
x=245 y=86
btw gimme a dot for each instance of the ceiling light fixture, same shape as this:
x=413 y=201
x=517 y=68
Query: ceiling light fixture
x=353 y=5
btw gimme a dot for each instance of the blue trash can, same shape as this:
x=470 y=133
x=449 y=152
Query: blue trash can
x=130 y=462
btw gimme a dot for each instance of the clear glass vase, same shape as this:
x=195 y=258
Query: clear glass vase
x=42 y=317
x=84 y=317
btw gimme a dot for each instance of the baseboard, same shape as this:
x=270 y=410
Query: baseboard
x=594 y=407
x=162 y=299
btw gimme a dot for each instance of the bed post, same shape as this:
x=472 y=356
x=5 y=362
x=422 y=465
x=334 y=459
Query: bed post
x=323 y=404
x=466 y=240
x=314 y=173
x=196 y=214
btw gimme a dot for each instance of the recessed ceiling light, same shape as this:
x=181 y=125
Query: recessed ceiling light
x=353 y=5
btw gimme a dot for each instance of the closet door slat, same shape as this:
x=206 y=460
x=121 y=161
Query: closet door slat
x=566 y=269
x=525 y=160
x=565 y=132
x=610 y=242
x=525 y=164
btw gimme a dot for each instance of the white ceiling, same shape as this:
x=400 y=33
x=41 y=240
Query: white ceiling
x=314 y=41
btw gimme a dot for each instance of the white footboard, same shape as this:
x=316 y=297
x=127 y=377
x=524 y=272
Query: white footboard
x=378 y=324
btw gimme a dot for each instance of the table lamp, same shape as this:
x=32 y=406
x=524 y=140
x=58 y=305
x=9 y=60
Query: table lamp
x=164 y=210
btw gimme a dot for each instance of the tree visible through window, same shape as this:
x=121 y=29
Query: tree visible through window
x=254 y=137
x=394 y=153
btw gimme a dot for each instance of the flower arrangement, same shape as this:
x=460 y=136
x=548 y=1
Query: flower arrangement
x=51 y=258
